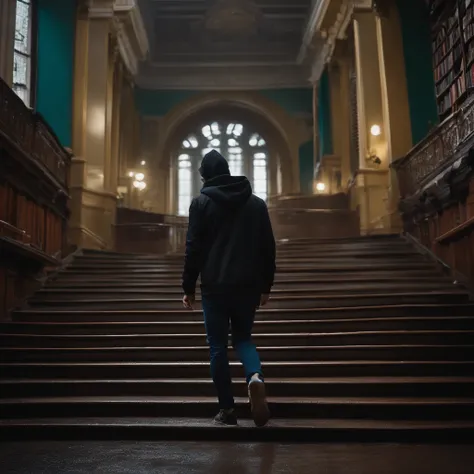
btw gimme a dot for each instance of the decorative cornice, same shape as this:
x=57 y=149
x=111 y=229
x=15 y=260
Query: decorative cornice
x=326 y=39
x=318 y=12
x=100 y=9
x=132 y=39
x=222 y=77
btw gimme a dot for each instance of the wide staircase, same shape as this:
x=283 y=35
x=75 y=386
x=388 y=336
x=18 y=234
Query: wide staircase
x=364 y=339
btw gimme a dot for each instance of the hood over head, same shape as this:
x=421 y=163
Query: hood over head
x=219 y=185
x=213 y=164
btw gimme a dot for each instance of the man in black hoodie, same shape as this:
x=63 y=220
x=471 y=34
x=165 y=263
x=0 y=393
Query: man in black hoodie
x=230 y=244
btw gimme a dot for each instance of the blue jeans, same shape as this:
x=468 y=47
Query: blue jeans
x=240 y=310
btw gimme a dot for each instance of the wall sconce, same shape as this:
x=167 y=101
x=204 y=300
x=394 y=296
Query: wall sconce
x=375 y=130
x=373 y=159
x=320 y=187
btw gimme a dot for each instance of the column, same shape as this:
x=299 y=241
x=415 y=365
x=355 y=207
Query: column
x=316 y=156
x=93 y=189
x=395 y=102
x=372 y=179
x=7 y=39
x=113 y=176
x=369 y=91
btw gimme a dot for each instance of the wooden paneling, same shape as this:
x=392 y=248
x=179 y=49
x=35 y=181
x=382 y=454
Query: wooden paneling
x=34 y=171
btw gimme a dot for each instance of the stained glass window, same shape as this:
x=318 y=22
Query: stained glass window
x=22 y=50
x=246 y=153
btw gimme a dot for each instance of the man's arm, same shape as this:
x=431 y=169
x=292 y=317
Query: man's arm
x=194 y=249
x=268 y=249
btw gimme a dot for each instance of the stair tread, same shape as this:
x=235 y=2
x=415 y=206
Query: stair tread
x=290 y=335
x=262 y=348
x=295 y=380
x=261 y=311
x=268 y=322
x=206 y=363
x=241 y=400
x=176 y=422
x=277 y=298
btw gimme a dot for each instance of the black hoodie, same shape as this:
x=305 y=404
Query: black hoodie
x=230 y=239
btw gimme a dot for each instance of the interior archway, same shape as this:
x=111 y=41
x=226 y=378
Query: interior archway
x=248 y=141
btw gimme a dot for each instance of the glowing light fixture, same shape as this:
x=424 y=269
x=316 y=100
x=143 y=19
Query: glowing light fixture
x=143 y=163
x=320 y=187
x=140 y=185
x=131 y=174
x=139 y=176
x=375 y=130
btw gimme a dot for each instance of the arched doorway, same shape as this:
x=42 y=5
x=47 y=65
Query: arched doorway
x=244 y=148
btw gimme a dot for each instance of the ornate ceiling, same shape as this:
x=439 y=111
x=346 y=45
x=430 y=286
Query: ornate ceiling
x=224 y=43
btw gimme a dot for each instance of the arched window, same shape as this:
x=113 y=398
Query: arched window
x=245 y=151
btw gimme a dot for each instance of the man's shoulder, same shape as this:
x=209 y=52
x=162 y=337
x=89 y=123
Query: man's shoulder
x=258 y=202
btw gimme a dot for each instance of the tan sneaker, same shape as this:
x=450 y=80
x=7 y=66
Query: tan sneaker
x=258 y=402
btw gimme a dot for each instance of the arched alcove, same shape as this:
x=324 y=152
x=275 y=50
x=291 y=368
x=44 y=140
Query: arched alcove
x=249 y=141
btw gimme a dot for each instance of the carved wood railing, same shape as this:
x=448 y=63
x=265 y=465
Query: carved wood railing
x=436 y=181
x=436 y=152
x=34 y=170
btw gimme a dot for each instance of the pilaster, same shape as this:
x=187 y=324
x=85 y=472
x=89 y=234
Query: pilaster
x=395 y=102
x=7 y=39
x=369 y=91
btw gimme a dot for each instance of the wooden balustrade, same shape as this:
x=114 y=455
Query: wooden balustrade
x=314 y=223
x=34 y=170
x=146 y=232
x=437 y=152
x=436 y=181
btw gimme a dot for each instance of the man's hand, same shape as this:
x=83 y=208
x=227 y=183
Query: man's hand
x=188 y=301
x=264 y=299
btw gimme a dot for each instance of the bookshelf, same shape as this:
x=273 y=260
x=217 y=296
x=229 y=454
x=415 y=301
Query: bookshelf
x=453 y=52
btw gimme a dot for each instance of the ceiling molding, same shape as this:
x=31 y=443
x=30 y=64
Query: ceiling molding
x=318 y=12
x=222 y=77
x=338 y=31
x=132 y=38
x=99 y=9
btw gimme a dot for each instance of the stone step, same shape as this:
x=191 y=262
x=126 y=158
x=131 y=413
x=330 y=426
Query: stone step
x=278 y=430
x=282 y=268
x=282 y=260
x=372 y=408
x=429 y=387
x=265 y=326
x=349 y=281
x=200 y=369
x=280 y=278
x=276 y=302
x=369 y=338
x=340 y=312
x=268 y=353
x=336 y=288
x=296 y=254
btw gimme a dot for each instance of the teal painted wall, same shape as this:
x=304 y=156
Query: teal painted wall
x=160 y=102
x=324 y=116
x=55 y=59
x=416 y=35
x=294 y=101
x=306 y=163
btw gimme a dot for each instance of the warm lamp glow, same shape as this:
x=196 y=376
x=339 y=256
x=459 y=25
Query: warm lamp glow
x=320 y=187
x=139 y=176
x=375 y=130
x=140 y=185
x=143 y=163
x=131 y=174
